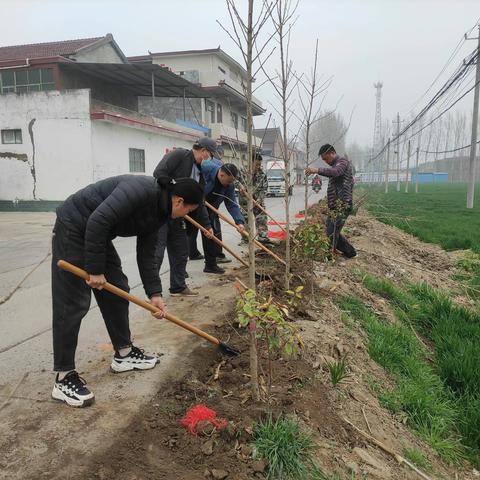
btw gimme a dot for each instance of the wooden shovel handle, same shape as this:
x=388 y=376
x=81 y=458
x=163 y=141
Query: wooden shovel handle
x=215 y=239
x=132 y=298
x=245 y=234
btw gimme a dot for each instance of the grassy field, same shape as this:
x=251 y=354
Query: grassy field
x=437 y=214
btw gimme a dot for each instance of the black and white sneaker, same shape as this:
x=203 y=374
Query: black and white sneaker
x=134 y=360
x=72 y=390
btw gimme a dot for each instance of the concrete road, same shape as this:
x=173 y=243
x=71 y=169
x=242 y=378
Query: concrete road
x=25 y=326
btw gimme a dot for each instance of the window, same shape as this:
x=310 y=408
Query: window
x=137 y=160
x=12 y=136
x=219 y=113
x=210 y=107
x=26 y=80
x=234 y=120
x=244 y=124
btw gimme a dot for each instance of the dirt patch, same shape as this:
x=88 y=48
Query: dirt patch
x=156 y=445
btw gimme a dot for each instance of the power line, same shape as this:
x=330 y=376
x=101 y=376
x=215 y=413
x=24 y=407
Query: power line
x=449 y=151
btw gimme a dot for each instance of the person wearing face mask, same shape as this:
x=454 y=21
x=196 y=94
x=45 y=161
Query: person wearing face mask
x=173 y=234
x=87 y=222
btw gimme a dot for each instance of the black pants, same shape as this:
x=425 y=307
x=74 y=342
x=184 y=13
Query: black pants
x=173 y=238
x=71 y=298
x=211 y=249
x=337 y=240
x=192 y=234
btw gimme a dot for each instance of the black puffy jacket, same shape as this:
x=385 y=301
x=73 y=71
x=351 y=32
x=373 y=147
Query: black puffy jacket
x=122 y=206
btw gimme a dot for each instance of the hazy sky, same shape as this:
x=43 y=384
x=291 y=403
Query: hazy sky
x=403 y=43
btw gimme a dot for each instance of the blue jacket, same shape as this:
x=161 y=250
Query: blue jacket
x=210 y=169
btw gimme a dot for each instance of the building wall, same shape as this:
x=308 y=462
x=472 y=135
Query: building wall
x=458 y=168
x=100 y=90
x=172 y=108
x=111 y=144
x=54 y=158
x=103 y=54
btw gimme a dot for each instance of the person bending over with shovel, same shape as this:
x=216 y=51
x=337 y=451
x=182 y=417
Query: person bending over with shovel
x=219 y=186
x=87 y=222
x=339 y=196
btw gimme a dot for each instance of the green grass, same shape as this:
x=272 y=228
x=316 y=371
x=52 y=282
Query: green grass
x=454 y=332
x=338 y=371
x=419 y=390
x=288 y=448
x=417 y=458
x=437 y=214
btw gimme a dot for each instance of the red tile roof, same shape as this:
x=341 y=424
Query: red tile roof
x=41 y=50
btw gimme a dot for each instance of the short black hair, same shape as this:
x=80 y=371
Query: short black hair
x=230 y=169
x=188 y=189
x=257 y=156
x=327 y=148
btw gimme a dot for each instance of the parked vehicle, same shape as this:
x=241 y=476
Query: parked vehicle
x=276 y=178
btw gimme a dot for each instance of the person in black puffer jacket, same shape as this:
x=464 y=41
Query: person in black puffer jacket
x=87 y=222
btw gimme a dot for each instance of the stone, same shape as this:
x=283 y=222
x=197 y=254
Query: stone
x=259 y=466
x=219 y=474
x=207 y=447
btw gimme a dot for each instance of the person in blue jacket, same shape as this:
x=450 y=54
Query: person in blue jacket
x=219 y=188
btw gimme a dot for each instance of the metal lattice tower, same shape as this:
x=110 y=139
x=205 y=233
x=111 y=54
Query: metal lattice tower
x=377 y=128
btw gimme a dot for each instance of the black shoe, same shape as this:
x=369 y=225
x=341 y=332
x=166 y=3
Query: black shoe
x=72 y=390
x=213 y=269
x=199 y=256
x=134 y=360
x=223 y=260
x=187 y=275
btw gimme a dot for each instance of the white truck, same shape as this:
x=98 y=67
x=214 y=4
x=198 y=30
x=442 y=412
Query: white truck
x=276 y=178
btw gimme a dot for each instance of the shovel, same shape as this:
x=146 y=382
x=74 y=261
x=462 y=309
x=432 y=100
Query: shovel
x=258 y=276
x=245 y=234
x=224 y=348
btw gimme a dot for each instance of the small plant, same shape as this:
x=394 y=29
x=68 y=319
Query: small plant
x=288 y=449
x=295 y=296
x=338 y=370
x=417 y=458
x=311 y=242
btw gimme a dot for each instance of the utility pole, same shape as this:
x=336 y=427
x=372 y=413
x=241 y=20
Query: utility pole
x=398 y=152
x=416 y=170
x=377 y=128
x=387 y=173
x=408 y=166
x=473 y=147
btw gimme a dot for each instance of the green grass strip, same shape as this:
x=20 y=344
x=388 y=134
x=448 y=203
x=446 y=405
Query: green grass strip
x=419 y=391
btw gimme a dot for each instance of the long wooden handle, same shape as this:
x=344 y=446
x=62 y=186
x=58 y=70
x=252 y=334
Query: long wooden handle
x=215 y=239
x=244 y=233
x=132 y=298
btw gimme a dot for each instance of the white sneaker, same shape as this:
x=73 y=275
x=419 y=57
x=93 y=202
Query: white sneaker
x=72 y=390
x=134 y=360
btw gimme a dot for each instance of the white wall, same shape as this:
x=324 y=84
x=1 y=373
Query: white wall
x=102 y=54
x=61 y=135
x=110 y=144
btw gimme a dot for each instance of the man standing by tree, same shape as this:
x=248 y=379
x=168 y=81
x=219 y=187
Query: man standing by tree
x=339 y=196
x=260 y=184
x=173 y=235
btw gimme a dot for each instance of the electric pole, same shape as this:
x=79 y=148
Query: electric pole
x=377 y=127
x=473 y=147
x=408 y=166
x=416 y=170
x=388 y=165
x=398 y=152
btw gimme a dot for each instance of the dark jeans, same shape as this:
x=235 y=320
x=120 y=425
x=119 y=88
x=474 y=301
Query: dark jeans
x=337 y=240
x=71 y=298
x=211 y=249
x=192 y=233
x=173 y=238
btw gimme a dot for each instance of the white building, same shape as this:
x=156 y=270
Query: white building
x=69 y=116
x=223 y=109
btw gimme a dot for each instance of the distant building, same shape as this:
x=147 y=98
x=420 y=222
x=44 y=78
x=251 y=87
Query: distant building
x=69 y=116
x=223 y=109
